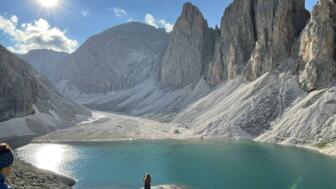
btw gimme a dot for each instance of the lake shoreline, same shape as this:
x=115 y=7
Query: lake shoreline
x=27 y=176
x=125 y=154
x=115 y=127
x=328 y=151
x=136 y=130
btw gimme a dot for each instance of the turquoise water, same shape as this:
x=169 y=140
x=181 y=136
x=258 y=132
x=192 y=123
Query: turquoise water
x=198 y=164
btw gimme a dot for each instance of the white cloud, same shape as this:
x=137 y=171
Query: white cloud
x=85 y=13
x=151 y=20
x=119 y=12
x=168 y=26
x=130 y=19
x=35 y=35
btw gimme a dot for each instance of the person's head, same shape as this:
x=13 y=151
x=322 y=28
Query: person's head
x=147 y=177
x=6 y=159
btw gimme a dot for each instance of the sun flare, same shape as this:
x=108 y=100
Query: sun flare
x=49 y=3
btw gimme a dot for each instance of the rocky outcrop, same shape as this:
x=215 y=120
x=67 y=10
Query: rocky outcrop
x=317 y=49
x=260 y=40
x=29 y=104
x=189 y=51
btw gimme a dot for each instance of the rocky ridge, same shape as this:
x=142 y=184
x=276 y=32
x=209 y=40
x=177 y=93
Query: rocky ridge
x=116 y=59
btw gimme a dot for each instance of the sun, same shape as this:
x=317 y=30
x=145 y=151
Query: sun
x=49 y=3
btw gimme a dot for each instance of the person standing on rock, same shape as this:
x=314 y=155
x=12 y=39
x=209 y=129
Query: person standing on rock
x=6 y=162
x=147 y=181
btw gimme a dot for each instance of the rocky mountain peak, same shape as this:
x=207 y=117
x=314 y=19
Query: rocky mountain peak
x=191 y=12
x=324 y=11
x=189 y=50
x=116 y=59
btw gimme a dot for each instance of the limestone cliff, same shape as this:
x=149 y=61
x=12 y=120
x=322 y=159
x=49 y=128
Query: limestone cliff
x=256 y=37
x=278 y=24
x=235 y=43
x=189 y=51
x=317 y=49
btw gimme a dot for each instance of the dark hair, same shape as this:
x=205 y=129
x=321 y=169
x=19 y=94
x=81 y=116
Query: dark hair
x=4 y=148
x=148 y=176
x=6 y=156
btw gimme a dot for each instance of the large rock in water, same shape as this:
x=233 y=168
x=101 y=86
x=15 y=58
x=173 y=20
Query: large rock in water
x=189 y=50
x=116 y=59
x=261 y=39
x=32 y=100
x=318 y=47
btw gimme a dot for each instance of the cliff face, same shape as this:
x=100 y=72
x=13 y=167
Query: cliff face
x=260 y=40
x=277 y=36
x=235 y=43
x=190 y=49
x=317 y=49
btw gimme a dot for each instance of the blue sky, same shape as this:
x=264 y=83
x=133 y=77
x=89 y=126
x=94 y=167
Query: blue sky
x=27 y=24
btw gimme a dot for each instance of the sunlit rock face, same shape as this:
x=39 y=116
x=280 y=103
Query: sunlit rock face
x=256 y=36
x=318 y=47
x=189 y=51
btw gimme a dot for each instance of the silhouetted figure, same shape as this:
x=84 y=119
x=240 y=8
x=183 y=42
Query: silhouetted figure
x=147 y=181
x=6 y=162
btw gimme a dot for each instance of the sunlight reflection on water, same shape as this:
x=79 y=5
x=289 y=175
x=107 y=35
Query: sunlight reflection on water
x=51 y=157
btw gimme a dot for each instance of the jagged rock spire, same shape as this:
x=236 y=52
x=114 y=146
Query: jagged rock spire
x=189 y=49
